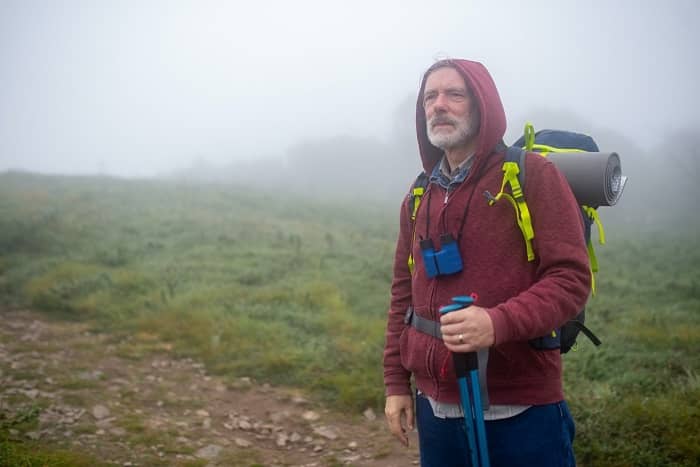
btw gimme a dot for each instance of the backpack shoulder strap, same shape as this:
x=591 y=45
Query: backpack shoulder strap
x=517 y=155
x=514 y=177
x=415 y=196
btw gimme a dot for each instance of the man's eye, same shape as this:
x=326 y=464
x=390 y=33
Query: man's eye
x=456 y=95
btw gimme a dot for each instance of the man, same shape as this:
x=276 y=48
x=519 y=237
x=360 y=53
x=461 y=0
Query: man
x=460 y=123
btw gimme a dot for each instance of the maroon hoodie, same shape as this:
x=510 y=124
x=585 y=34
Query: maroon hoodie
x=524 y=299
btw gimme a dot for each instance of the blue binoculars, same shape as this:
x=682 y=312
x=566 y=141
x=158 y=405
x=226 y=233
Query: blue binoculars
x=444 y=261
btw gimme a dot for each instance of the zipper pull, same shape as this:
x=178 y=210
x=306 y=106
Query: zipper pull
x=447 y=195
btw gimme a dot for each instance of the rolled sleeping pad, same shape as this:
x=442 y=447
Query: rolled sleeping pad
x=595 y=177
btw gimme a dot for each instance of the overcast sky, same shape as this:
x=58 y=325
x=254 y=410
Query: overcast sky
x=143 y=87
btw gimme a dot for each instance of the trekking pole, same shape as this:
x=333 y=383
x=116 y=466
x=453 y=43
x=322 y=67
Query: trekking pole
x=467 y=370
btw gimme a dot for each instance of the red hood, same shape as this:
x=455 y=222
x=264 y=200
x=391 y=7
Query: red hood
x=493 y=117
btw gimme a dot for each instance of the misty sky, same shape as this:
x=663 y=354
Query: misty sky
x=144 y=87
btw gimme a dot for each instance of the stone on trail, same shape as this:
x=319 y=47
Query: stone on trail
x=90 y=375
x=350 y=459
x=208 y=452
x=117 y=431
x=370 y=415
x=282 y=440
x=100 y=412
x=298 y=400
x=310 y=416
x=278 y=417
x=242 y=383
x=242 y=443
x=245 y=425
x=326 y=432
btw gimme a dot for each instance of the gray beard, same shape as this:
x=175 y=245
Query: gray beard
x=463 y=131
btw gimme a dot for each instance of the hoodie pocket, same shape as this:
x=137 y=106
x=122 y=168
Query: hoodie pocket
x=445 y=367
x=413 y=346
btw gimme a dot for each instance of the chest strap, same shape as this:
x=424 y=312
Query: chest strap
x=424 y=325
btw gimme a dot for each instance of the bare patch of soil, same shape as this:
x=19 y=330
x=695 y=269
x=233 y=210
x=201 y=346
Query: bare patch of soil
x=131 y=401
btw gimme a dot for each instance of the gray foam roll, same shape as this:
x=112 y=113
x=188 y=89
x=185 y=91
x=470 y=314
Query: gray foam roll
x=595 y=177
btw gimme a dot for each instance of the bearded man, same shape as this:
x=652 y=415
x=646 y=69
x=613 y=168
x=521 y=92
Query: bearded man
x=460 y=123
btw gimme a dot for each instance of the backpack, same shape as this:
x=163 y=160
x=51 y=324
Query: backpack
x=542 y=142
x=545 y=142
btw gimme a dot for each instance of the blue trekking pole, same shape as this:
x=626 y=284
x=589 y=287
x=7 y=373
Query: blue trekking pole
x=467 y=370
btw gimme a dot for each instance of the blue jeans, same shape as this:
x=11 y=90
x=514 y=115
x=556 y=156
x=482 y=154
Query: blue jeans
x=542 y=436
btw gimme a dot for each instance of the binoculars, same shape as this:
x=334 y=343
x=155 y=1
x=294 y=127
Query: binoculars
x=444 y=261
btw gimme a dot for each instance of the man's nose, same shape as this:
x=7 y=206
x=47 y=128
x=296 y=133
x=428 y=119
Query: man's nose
x=440 y=102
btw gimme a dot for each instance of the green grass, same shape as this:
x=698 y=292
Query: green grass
x=22 y=453
x=25 y=454
x=636 y=399
x=295 y=293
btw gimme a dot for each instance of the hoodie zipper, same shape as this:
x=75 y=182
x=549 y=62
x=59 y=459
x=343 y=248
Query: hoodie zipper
x=431 y=353
x=431 y=347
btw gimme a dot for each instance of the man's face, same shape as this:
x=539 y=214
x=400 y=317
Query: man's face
x=451 y=118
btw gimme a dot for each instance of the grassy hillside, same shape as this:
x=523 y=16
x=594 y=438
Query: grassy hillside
x=295 y=292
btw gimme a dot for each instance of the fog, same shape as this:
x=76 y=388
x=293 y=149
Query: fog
x=279 y=90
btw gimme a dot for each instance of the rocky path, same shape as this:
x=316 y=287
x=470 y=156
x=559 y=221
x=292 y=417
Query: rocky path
x=130 y=401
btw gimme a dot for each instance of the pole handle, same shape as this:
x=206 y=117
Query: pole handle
x=463 y=362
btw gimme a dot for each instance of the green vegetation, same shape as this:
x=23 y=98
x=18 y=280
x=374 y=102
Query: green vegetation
x=29 y=454
x=294 y=292
x=23 y=454
x=636 y=399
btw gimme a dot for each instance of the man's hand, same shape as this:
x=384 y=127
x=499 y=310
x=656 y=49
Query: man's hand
x=467 y=330
x=399 y=416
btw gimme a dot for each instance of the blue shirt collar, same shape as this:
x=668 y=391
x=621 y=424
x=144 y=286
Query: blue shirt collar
x=446 y=181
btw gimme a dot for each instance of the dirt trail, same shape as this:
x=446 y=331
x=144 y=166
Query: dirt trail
x=130 y=401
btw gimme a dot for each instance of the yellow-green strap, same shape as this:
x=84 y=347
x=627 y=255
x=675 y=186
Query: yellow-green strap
x=528 y=231
x=592 y=256
x=522 y=213
x=543 y=149
x=593 y=215
x=417 y=196
x=529 y=136
x=411 y=263
x=528 y=234
x=594 y=265
x=511 y=170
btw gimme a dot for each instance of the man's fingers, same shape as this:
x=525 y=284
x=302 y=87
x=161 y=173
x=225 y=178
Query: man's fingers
x=394 y=421
x=399 y=414
x=396 y=409
x=455 y=316
x=410 y=421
